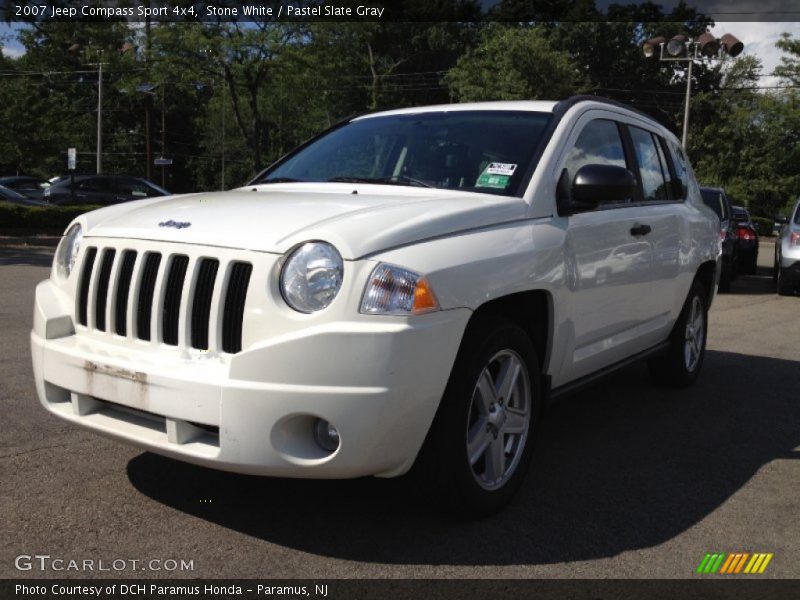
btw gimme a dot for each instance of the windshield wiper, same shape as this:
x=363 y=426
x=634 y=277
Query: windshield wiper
x=393 y=180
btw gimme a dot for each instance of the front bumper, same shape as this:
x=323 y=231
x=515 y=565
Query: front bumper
x=377 y=380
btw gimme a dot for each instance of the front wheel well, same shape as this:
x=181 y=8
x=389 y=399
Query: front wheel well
x=531 y=311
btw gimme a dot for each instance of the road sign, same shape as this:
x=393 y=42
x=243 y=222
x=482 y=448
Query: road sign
x=162 y=162
x=71 y=158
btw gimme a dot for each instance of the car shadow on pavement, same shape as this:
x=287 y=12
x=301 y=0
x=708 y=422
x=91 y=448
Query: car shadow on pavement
x=621 y=466
x=760 y=282
x=36 y=257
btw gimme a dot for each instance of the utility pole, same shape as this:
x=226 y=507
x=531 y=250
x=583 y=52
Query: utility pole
x=149 y=153
x=223 y=130
x=163 y=134
x=100 y=117
x=99 y=64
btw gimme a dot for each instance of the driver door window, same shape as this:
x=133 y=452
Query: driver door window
x=599 y=143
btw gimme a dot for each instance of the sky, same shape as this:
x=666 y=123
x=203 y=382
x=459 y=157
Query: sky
x=759 y=39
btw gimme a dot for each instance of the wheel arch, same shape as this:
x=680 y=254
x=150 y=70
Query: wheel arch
x=532 y=311
x=706 y=275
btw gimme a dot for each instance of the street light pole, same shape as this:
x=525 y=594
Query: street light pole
x=680 y=49
x=686 y=105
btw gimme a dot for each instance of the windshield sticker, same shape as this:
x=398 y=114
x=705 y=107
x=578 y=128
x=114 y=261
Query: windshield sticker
x=500 y=169
x=486 y=180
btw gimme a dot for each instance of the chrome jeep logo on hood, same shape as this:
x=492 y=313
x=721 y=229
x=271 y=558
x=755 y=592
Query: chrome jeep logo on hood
x=175 y=224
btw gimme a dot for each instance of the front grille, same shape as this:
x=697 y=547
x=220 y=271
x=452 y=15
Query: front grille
x=130 y=287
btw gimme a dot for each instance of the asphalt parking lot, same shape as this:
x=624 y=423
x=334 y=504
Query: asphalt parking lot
x=630 y=480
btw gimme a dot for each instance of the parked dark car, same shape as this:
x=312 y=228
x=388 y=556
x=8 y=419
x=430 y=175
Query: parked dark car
x=9 y=195
x=101 y=189
x=748 y=240
x=717 y=200
x=27 y=185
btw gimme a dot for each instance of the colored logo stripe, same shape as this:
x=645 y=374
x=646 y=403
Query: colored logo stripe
x=734 y=562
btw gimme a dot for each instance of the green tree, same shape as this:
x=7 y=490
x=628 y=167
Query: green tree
x=514 y=63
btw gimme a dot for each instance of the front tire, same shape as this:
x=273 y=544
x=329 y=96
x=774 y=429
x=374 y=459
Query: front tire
x=480 y=443
x=681 y=364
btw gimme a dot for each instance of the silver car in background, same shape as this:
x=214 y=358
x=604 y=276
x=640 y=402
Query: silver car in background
x=787 y=255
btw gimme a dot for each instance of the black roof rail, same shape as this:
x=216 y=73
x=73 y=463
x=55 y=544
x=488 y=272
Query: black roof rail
x=565 y=105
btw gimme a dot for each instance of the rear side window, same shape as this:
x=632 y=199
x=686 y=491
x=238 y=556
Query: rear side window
x=652 y=165
x=679 y=162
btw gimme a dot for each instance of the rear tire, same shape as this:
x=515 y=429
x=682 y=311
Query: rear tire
x=481 y=440
x=681 y=364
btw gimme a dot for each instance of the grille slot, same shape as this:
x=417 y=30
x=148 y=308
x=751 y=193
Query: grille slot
x=172 y=298
x=233 y=311
x=101 y=291
x=86 y=278
x=201 y=305
x=144 y=309
x=123 y=289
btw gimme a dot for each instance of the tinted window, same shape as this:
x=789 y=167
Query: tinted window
x=93 y=184
x=481 y=151
x=134 y=187
x=653 y=171
x=681 y=170
x=715 y=201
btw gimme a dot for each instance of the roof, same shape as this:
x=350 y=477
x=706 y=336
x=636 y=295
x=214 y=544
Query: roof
x=518 y=105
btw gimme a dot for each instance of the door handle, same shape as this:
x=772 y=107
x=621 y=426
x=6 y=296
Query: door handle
x=638 y=230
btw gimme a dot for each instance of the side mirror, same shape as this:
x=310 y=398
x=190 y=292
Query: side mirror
x=593 y=184
x=782 y=219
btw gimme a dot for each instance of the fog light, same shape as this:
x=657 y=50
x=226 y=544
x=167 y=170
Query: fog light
x=326 y=435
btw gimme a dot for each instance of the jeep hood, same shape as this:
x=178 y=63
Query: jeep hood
x=358 y=219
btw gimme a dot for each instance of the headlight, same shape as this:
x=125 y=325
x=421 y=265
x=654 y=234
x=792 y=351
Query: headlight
x=311 y=277
x=395 y=291
x=67 y=251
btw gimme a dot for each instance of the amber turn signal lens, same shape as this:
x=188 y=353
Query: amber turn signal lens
x=424 y=300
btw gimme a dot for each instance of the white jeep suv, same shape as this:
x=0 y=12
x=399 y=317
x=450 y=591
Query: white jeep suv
x=407 y=289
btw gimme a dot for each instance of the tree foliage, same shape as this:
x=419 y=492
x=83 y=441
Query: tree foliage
x=245 y=94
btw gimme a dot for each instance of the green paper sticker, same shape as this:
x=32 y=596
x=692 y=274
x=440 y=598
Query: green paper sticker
x=499 y=182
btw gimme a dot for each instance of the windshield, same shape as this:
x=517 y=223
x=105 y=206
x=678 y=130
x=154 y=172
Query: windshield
x=713 y=199
x=476 y=151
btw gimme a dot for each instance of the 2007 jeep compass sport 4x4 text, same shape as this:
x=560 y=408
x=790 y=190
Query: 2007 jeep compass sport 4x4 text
x=407 y=289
